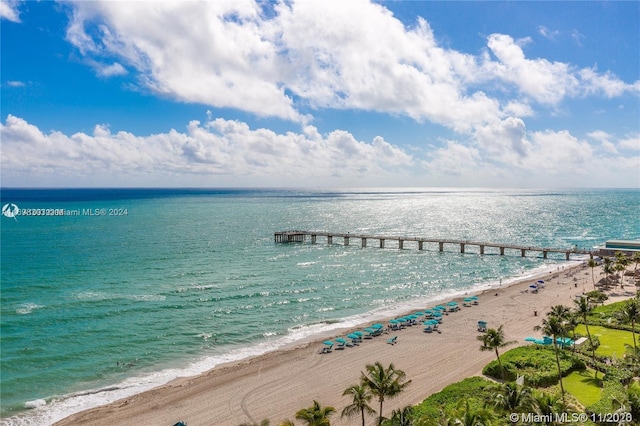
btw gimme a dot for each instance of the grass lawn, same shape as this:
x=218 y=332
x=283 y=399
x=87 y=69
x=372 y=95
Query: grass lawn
x=584 y=386
x=611 y=341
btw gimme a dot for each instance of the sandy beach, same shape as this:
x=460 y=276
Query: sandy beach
x=275 y=385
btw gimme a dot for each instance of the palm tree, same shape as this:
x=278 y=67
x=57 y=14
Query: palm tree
x=546 y=404
x=607 y=268
x=403 y=417
x=583 y=309
x=316 y=415
x=555 y=327
x=466 y=416
x=636 y=260
x=361 y=396
x=560 y=311
x=512 y=398
x=384 y=382
x=492 y=340
x=622 y=261
x=631 y=313
x=592 y=264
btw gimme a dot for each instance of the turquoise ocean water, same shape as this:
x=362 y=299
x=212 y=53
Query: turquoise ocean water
x=98 y=307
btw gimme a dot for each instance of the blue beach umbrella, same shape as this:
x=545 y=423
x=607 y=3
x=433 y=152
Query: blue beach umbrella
x=440 y=308
x=328 y=342
x=437 y=314
x=352 y=336
x=452 y=304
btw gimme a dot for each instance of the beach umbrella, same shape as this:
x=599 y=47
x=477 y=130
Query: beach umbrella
x=440 y=308
x=428 y=312
x=437 y=314
x=377 y=326
x=541 y=281
x=340 y=340
x=352 y=336
x=473 y=297
x=328 y=342
x=533 y=286
x=452 y=304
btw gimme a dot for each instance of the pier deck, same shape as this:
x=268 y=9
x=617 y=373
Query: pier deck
x=301 y=236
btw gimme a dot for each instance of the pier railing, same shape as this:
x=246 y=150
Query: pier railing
x=292 y=236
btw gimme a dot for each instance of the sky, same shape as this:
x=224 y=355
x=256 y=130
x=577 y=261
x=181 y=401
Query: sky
x=359 y=93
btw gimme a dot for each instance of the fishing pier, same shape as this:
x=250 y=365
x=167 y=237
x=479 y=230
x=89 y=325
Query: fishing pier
x=301 y=236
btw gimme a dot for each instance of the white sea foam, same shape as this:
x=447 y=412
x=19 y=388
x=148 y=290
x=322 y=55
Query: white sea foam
x=27 y=308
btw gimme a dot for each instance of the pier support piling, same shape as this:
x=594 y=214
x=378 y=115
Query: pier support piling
x=298 y=236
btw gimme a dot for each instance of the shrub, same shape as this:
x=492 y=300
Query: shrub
x=536 y=363
x=448 y=398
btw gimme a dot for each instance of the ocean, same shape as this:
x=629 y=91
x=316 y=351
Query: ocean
x=109 y=292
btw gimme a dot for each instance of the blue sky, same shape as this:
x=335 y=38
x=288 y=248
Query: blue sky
x=320 y=93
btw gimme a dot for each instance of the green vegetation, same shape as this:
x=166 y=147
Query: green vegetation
x=448 y=398
x=584 y=386
x=612 y=342
x=478 y=401
x=536 y=363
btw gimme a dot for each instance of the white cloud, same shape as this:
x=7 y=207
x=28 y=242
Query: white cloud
x=16 y=83
x=504 y=140
x=110 y=70
x=219 y=147
x=220 y=152
x=309 y=55
x=544 y=81
x=9 y=10
x=607 y=84
x=547 y=33
x=630 y=142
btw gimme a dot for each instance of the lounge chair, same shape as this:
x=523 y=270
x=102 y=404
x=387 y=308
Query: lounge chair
x=428 y=328
x=341 y=343
x=328 y=345
x=482 y=326
x=355 y=339
x=393 y=340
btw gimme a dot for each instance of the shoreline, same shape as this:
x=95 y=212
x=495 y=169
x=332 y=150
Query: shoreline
x=277 y=383
x=59 y=407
